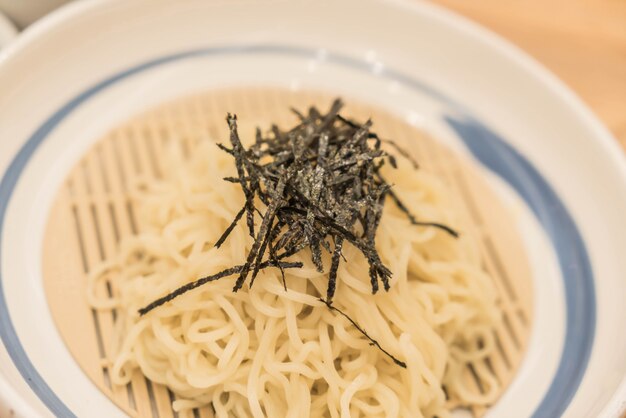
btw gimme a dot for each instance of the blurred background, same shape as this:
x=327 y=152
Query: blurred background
x=582 y=41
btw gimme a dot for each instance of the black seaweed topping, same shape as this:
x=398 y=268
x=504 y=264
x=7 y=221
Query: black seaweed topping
x=317 y=185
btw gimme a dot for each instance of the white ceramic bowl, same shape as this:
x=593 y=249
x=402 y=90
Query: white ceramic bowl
x=92 y=64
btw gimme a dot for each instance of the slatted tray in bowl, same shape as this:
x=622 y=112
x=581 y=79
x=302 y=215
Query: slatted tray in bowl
x=93 y=212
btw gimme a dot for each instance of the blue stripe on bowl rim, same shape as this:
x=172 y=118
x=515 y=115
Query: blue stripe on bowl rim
x=488 y=147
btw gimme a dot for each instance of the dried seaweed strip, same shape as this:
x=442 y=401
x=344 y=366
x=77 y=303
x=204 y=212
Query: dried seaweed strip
x=200 y=282
x=362 y=331
x=237 y=152
x=298 y=114
x=400 y=205
x=225 y=148
x=316 y=250
x=260 y=243
x=334 y=267
x=288 y=236
x=234 y=179
x=274 y=256
x=400 y=150
x=230 y=228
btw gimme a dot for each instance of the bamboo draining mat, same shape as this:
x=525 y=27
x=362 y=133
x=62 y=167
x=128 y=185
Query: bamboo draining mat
x=93 y=212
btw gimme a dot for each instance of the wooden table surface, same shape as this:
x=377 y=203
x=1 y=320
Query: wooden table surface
x=582 y=41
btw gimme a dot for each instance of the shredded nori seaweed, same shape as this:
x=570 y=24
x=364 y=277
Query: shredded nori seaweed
x=321 y=186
